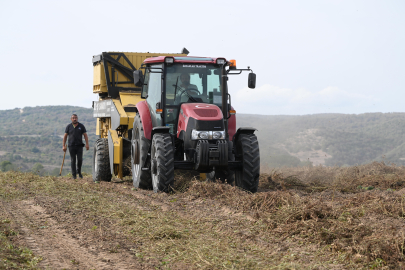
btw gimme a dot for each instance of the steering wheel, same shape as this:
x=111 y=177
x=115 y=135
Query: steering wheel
x=190 y=89
x=187 y=94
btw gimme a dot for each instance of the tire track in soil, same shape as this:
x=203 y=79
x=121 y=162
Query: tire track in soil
x=60 y=250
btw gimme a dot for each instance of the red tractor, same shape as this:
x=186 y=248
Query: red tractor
x=187 y=122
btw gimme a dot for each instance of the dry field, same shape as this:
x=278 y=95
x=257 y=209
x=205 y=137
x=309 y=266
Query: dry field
x=301 y=218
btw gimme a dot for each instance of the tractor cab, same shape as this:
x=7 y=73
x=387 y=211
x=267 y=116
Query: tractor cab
x=170 y=82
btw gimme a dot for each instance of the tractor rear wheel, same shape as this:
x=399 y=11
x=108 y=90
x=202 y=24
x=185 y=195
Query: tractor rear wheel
x=247 y=150
x=139 y=156
x=162 y=162
x=101 y=161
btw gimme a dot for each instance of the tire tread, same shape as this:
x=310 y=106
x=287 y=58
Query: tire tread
x=103 y=161
x=165 y=161
x=248 y=149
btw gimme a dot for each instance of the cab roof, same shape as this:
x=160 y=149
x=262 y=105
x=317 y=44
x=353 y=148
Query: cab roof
x=183 y=59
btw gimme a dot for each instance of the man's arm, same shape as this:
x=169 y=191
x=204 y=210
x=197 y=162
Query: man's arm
x=87 y=141
x=64 y=142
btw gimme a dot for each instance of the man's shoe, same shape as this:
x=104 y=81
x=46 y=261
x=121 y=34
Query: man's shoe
x=74 y=176
x=80 y=176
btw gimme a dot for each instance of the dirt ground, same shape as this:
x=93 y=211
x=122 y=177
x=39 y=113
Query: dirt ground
x=301 y=218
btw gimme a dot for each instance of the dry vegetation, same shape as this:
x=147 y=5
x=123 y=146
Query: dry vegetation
x=301 y=218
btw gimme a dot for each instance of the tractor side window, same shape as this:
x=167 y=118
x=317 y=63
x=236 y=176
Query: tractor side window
x=144 y=93
x=155 y=93
x=214 y=87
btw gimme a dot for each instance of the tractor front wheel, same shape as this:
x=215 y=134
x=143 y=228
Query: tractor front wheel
x=247 y=150
x=162 y=162
x=101 y=161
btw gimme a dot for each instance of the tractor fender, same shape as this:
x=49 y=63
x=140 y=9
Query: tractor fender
x=232 y=125
x=242 y=130
x=143 y=110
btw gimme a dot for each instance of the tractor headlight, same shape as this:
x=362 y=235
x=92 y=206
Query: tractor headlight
x=169 y=60
x=221 y=61
x=203 y=135
x=207 y=135
x=218 y=135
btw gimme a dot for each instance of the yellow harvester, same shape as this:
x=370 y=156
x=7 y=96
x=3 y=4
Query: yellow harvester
x=115 y=110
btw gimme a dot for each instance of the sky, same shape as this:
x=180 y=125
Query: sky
x=310 y=57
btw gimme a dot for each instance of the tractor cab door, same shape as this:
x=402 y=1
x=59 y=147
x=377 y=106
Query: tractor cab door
x=152 y=90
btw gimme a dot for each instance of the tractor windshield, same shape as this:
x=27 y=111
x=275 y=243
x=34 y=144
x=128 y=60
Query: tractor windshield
x=193 y=83
x=190 y=83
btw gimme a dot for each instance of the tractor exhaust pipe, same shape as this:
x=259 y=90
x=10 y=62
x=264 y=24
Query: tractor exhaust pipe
x=224 y=90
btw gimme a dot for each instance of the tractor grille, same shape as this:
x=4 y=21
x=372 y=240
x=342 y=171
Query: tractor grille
x=206 y=112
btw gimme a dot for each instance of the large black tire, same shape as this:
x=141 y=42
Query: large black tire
x=140 y=146
x=162 y=162
x=101 y=161
x=247 y=150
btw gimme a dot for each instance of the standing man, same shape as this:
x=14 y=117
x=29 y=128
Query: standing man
x=75 y=131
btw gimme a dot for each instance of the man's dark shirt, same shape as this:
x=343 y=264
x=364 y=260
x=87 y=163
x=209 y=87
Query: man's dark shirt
x=75 y=134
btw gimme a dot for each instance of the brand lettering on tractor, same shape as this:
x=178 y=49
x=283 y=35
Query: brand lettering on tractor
x=195 y=66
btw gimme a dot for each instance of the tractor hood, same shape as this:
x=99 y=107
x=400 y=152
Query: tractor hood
x=203 y=116
x=198 y=116
x=201 y=111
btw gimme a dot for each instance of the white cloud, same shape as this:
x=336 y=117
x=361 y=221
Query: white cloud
x=269 y=99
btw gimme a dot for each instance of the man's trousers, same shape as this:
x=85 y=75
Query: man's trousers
x=76 y=152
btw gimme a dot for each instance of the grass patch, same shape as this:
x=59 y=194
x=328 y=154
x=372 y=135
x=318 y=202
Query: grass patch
x=301 y=218
x=12 y=256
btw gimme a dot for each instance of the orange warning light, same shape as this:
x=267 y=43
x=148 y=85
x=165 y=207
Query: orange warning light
x=232 y=64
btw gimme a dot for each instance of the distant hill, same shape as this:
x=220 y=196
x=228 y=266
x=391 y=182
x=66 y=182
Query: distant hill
x=43 y=120
x=32 y=135
x=330 y=139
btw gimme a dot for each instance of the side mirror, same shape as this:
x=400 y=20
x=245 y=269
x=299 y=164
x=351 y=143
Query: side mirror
x=138 y=78
x=252 y=80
